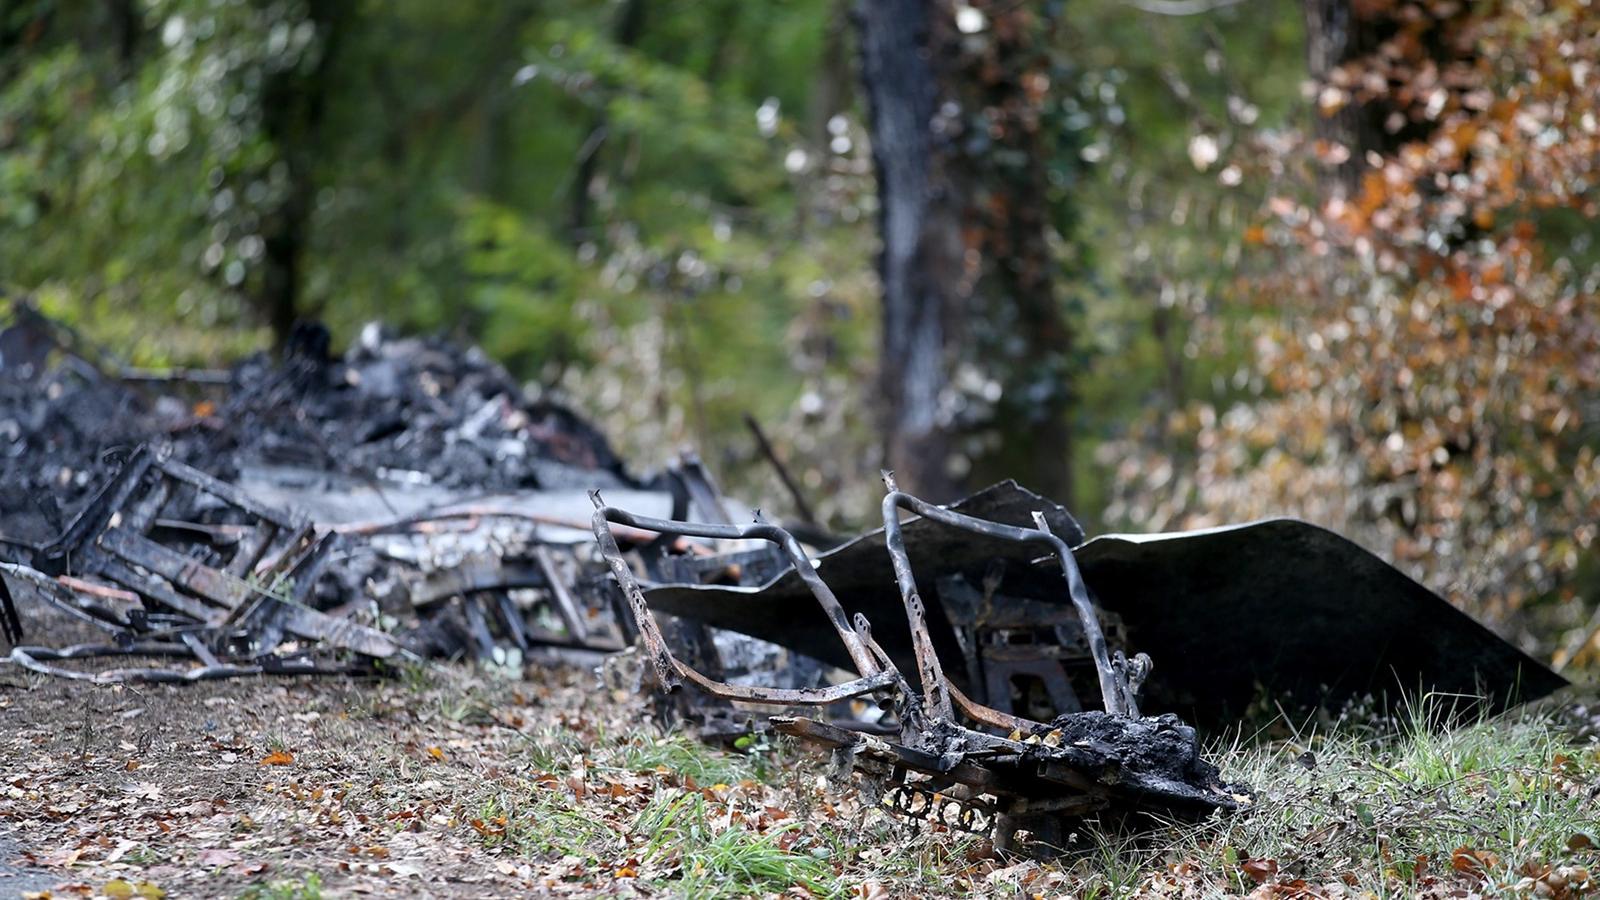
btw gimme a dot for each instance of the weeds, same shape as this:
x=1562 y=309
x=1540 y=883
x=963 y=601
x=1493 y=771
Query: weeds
x=643 y=751
x=545 y=824
x=726 y=861
x=1383 y=806
x=1498 y=801
x=309 y=887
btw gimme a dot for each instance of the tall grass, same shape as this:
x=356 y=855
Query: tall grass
x=1379 y=810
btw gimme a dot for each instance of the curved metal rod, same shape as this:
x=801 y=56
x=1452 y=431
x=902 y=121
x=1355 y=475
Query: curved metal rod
x=934 y=685
x=988 y=715
x=817 y=696
x=31 y=658
x=973 y=710
x=672 y=672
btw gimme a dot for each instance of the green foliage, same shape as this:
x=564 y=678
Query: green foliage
x=718 y=262
x=724 y=861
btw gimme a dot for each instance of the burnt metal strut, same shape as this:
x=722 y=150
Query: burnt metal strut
x=1036 y=777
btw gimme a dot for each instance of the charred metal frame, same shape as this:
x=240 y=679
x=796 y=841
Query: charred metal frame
x=239 y=608
x=672 y=672
x=1115 y=690
x=937 y=769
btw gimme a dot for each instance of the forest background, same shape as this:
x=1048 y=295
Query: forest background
x=1177 y=263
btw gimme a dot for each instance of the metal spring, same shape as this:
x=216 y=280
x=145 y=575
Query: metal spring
x=916 y=803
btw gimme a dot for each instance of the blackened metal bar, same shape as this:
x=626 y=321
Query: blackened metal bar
x=988 y=716
x=305 y=571
x=1112 y=693
x=672 y=672
x=566 y=607
x=110 y=501
x=477 y=572
x=199 y=649
x=149 y=506
x=298 y=618
x=702 y=490
x=935 y=687
x=10 y=622
x=817 y=696
x=30 y=658
x=511 y=617
x=183 y=571
x=228 y=492
x=309 y=623
x=224 y=590
x=478 y=625
x=655 y=646
x=250 y=549
x=859 y=655
x=927 y=763
x=156 y=588
x=293 y=545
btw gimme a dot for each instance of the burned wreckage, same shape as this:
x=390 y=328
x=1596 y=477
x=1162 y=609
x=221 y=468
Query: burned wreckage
x=985 y=663
x=970 y=778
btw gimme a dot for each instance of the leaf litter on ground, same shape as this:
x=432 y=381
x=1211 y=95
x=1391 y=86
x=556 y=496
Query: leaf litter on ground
x=457 y=784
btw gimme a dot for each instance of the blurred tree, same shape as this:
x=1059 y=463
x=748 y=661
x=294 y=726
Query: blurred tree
x=630 y=21
x=1428 y=346
x=1120 y=225
x=293 y=104
x=1355 y=49
x=976 y=350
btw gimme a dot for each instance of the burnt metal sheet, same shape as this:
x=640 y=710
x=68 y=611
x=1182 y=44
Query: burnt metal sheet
x=1295 y=609
x=861 y=574
x=1299 y=610
x=333 y=500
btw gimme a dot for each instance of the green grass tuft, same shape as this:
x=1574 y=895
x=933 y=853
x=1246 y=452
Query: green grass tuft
x=728 y=861
x=1381 y=811
x=309 y=887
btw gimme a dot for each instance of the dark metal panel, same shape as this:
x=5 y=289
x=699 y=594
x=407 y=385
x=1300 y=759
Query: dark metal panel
x=1299 y=610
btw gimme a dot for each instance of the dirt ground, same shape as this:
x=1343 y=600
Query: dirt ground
x=211 y=788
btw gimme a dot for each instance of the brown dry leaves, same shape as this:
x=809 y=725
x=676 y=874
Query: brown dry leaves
x=1427 y=348
x=439 y=792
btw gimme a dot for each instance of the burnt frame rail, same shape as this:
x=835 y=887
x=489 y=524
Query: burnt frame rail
x=230 y=616
x=1028 y=779
x=672 y=672
x=1115 y=688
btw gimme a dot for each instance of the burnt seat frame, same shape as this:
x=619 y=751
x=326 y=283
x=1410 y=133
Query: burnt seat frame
x=1031 y=777
x=940 y=699
x=672 y=672
x=1117 y=693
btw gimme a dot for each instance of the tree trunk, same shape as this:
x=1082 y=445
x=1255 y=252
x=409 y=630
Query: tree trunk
x=293 y=104
x=629 y=26
x=919 y=228
x=1348 y=114
x=962 y=152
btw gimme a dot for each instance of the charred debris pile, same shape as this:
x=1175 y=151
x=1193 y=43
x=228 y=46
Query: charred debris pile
x=987 y=663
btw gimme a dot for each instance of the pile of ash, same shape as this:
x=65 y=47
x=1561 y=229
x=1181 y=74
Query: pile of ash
x=407 y=411
x=407 y=495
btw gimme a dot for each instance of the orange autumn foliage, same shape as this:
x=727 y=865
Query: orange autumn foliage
x=1427 y=350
